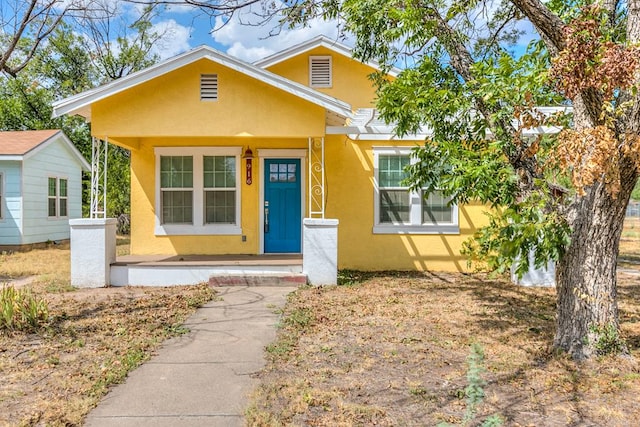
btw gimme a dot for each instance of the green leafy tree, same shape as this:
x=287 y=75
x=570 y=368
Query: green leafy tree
x=462 y=82
x=70 y=63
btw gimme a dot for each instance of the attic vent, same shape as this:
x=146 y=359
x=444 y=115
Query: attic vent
x=208 y=87
x=320 y=71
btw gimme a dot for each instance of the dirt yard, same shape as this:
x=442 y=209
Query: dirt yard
x=392 y=349
x=382 y=349
x=92 y=339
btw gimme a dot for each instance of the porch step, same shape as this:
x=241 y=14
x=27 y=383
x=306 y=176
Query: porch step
x=168 y=270
x=274 y=279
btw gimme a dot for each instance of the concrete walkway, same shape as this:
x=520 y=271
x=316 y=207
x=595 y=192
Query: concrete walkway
x=202 y=378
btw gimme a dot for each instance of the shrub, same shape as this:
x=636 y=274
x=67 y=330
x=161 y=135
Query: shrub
x=20 y=310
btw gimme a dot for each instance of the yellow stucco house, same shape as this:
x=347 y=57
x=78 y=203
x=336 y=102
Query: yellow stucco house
x=231 y=158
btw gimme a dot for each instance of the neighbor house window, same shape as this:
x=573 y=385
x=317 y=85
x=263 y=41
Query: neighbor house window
x=1 y=195
x=198 y=190
x=62 y=197
x=58 y=200
x=401 y=210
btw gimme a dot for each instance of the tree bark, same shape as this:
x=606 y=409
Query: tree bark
x=586 y=274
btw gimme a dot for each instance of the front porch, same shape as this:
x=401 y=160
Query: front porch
x=94 y=262
x=168 y=270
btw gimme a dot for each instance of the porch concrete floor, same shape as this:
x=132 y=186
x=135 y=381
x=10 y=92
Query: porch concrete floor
x=209 y=260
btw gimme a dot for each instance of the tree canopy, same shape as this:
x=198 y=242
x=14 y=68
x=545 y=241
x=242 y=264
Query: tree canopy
x=50 y=59
x=560 y=195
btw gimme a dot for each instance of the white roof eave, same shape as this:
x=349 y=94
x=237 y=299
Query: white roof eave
x=365 y=125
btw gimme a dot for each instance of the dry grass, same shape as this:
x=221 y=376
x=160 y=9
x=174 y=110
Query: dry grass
x=391 y=349
x=630 y=244
x=92 y=339
x=50 y=266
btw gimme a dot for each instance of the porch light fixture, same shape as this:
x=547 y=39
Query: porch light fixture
x=248 y=156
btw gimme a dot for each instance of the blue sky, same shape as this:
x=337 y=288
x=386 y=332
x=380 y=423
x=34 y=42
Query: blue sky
x=185 y=27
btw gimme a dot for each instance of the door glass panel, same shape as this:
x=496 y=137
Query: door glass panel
x=282 y=172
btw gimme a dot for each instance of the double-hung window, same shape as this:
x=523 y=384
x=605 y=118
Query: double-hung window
x=176 y=182
x=58 y=199
x=220 y=189
x=397 y=209
x=1 y=195
x=198 y=191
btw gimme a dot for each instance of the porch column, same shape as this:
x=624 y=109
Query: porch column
x=320 y=251
x=93 y=250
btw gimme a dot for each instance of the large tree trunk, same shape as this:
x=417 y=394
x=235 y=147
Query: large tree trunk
x=586 y=274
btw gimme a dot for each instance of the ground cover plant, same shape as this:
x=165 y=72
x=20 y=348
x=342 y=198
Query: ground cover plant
x=394 y=349
x=54 y=374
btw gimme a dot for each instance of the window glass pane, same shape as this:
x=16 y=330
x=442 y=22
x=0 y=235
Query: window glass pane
x=220 y=207
x=435 y=209
x=63 y=206
x=177 y=207
x=394 y=206
x=391 y=170
x=176 y=171
x=219 y=172
x=52 y=206
x=52 y=187
x=63 y=188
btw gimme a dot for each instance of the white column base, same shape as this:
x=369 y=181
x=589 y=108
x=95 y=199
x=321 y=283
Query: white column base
x=320 y=251
x=93 y=250
x=545 y=276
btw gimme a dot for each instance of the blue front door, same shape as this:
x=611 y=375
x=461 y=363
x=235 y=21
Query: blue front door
x=282 y=205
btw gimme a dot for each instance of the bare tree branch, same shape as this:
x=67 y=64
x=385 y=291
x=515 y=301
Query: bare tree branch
x=28 y=26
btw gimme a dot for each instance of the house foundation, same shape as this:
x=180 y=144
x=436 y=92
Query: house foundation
x=543 y=276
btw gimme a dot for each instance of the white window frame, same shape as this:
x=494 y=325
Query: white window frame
x=311 y=59
x=57 y=197
x=415 y=224
x=198 y=227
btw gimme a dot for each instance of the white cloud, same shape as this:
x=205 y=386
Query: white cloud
x=251 y=43
x=175 y=38
x=249 y=54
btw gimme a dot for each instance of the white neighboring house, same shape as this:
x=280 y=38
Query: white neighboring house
x=40 y=187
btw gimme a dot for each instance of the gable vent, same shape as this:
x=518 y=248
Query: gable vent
x=320 y=71
x=208 y=87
